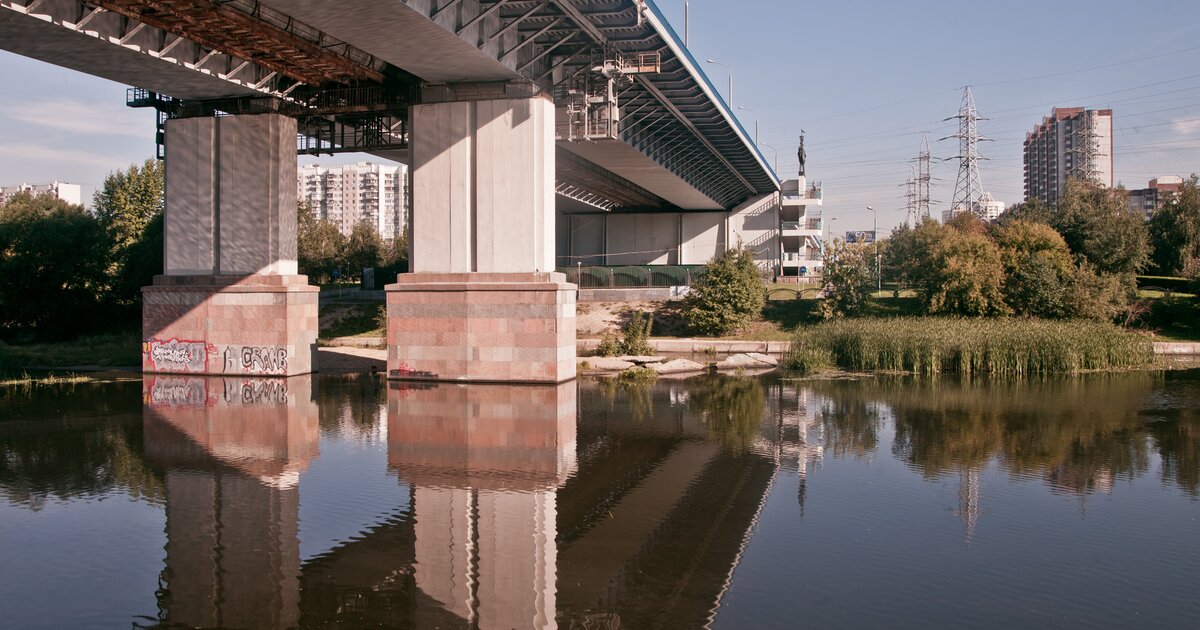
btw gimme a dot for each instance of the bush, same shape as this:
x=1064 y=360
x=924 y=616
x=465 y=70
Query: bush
x=1003 y=347
x=637 y=334
x=727 y=296
x=634 y=338
x=848 y=278
x=1102 y=297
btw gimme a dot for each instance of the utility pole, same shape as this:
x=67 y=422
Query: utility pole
x=967 y=188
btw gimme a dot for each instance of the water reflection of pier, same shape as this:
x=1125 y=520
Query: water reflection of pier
x=520 y=515
x=233 y=450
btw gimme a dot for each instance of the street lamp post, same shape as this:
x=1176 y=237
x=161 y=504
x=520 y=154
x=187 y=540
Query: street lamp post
x=776 y=152
x=755 y=122
x=829 y=229
x=730 y=72
x=686 y=21
x=875 y=242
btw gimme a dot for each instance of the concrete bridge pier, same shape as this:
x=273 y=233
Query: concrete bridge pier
x=483 y=303
x=230 y=300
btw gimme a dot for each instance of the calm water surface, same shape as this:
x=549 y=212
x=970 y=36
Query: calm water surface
x=730 y=502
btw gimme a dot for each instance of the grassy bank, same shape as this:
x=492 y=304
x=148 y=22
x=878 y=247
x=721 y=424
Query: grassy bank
x=113 y=350
x=933 y=345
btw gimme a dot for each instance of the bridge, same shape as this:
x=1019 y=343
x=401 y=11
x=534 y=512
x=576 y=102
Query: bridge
x=508 y=112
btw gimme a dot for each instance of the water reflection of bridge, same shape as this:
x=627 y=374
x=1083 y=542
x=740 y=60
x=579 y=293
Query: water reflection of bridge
x=520 y=515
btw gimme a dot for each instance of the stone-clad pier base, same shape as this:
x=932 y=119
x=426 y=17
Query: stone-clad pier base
x=243 y=325
x=481 y=327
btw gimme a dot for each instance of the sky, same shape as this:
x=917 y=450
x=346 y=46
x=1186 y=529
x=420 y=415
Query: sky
x=862 y=79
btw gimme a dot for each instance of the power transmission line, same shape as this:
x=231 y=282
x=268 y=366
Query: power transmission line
x=968 y=188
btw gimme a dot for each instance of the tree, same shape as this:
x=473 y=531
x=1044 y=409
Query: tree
x=395 y=252
x=727 y=295
x=54 y=259
x=966 y=276
x=1099 y=296
x=1033 y=211
x=1175 y=230
x=1019 y=238
x=129 y=200
x=1099 y=228
x=364 y=249
x=319 y=245
x=968 y=223
x=1037 y=268
x=848 y=277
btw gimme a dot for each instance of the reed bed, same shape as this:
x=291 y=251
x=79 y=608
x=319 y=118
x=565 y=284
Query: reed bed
x=935 y=345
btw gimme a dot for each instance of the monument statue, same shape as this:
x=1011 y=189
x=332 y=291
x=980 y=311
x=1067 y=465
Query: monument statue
x=801 y=154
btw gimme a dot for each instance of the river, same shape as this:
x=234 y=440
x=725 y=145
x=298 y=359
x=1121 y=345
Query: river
x=712 y=501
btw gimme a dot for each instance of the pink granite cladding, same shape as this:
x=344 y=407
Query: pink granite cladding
x=247 y=325
x=482 y=435
x=486 y=327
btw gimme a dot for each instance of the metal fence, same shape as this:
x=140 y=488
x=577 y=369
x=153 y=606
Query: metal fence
x=632 y=276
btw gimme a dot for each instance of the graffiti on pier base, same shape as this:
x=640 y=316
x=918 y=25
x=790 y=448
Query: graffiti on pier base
x=178 y=355
x=267 y=392
x=256 y=360
x=175 y=391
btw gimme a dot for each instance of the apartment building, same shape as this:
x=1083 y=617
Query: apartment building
x=70 y=193
x=1072 y=142
x=345 y=195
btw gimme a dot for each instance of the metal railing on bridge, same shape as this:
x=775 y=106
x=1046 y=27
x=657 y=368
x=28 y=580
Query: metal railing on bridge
x=632 y=276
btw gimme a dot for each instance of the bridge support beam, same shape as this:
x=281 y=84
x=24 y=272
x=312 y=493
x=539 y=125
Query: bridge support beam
x=231 y=301
x=483 y=303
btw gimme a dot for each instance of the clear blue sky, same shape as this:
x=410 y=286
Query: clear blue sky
x=864 y=79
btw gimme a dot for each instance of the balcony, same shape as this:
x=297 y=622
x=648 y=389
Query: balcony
x=810 y=226
x=810 y=259
x=812 y=196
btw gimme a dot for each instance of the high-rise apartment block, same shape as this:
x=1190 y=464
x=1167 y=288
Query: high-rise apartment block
x=346 y=195
x=1072 y=142
x=69 y=193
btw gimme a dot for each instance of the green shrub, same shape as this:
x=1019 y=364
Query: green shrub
x=636 y=331
x=848 y=277
x=1002 y=347
x=634 y=338
x=610 y=345
x=1098 y=296
x=727 y=296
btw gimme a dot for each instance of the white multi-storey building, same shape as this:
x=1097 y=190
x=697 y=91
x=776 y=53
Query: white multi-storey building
x=70 y=193
x=1072 y=142
x=800 y=227
x=346 y=195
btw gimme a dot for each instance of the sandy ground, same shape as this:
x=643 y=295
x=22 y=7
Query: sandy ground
x=594 y=318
